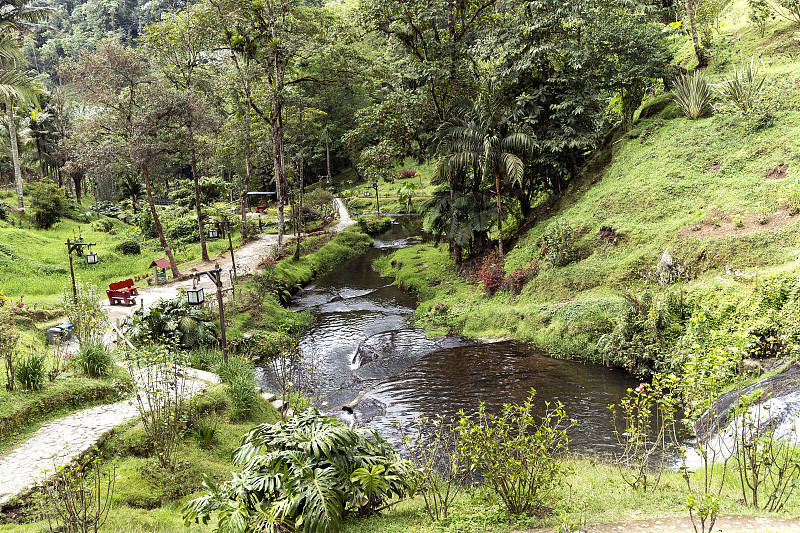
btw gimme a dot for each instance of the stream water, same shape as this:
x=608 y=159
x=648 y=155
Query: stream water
x=362 y=341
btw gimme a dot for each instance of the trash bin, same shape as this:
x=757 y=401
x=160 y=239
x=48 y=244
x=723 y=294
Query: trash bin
x=66 y=330
x=54 y=335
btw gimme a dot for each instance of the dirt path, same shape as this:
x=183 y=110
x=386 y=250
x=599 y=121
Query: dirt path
x=725 y=523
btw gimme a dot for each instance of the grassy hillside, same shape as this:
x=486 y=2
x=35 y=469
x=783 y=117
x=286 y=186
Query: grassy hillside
x=715 y=192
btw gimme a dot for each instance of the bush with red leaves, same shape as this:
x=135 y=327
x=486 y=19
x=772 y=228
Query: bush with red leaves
x=517 y=279
x=491 y=273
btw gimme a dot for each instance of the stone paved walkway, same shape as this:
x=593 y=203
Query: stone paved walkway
x=57 y=443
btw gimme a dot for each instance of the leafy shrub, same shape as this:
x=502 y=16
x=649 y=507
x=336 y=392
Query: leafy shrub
x=515 y=281
x=557 y=244
x=78 y=497
x=87 y=315
x=204 y=358
x=244 y=397
x=790 y=197
x=359 y=203
x=693 y=94
x=760 y=13
x=205 y=431
x=30 y=372
x=129 y=247
x=407 y=173
x=157 y=370
x=519 y=455
x=103 y=225
x=181 y=230
x=742 y=91
x=303 y=474
x=239 y=374
x=645 y=332
x=3 y=211
x=9 y=338
x=374 y=225
x=49 y=203
x=173 y=320
x=320 y=200
x=433 y=447
x=94 y=359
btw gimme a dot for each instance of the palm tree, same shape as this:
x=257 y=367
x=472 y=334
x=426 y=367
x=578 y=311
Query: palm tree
x=130 y=187
x=481 y=137
x=16 y=17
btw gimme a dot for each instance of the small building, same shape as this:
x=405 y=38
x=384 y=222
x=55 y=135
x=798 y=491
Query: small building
x=160 y=276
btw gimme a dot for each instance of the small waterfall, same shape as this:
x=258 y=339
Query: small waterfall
x=777 y=411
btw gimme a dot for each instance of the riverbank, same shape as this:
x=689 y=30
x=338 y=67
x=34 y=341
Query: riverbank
x=451 y=302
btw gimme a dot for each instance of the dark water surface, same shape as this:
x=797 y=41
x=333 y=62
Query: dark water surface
x=362 y=341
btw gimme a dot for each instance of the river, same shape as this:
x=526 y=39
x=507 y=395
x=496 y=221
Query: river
x=363 y=340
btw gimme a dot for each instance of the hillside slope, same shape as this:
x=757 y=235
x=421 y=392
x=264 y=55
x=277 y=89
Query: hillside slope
x=716 y=192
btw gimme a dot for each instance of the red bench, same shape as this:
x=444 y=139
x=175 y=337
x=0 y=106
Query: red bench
x=122 y=292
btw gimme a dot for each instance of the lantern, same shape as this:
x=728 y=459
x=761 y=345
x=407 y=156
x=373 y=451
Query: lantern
x=91 y=257
x=195 y=296
x=212 y=232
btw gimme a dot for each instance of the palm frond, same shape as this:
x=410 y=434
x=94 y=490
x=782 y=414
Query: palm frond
x=17 y=85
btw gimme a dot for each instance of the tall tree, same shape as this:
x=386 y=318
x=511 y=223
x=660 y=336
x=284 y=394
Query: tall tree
x=177 y=44
x=439 y=35
x=134 y=111
x=16 y=17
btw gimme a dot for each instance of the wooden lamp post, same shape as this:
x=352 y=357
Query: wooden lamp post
x=91 y=259
x=195 y=296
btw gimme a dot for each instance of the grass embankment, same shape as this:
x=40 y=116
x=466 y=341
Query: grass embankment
x=260 y=314
x=23 y=412
x=713 y=191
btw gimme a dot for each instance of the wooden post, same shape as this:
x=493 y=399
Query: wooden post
x=218 y=282
x=72 y=273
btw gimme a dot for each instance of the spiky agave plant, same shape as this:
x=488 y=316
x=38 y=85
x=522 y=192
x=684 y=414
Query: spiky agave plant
x=693 y=93
x=742 y=91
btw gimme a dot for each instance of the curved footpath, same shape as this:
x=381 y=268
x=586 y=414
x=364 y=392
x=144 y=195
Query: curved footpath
x=725 y=523
x=57 y=443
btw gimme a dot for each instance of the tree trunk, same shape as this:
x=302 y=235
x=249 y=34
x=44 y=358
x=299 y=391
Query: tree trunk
x=355 y=171
x=276 y=162
x=328 y=155
x=198 y=208
x=76 y=180
x=499 y=213
x=300 y=185
x=454 y=247
x=157 y=221
x=702 y=58
x=248 y=154
x=12 y=135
